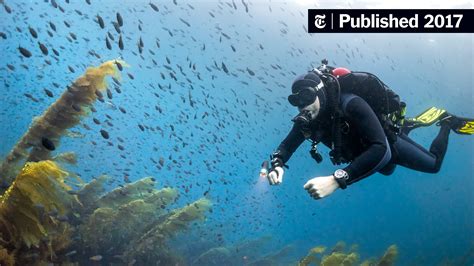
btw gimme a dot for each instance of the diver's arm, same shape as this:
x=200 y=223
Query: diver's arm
x=378 y=153
x=283 y=154
x=289 y=145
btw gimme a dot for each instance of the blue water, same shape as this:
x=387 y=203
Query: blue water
x=430 y=217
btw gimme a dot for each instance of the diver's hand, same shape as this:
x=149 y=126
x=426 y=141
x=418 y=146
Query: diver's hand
x=275 y=177
x=320 y=187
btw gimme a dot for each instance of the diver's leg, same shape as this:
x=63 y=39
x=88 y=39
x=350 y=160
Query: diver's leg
x=414 y=156
x=388 y=169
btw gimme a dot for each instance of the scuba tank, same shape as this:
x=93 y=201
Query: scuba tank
x=385 y=103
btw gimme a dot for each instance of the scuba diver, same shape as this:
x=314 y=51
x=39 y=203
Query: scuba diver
x=363 y=123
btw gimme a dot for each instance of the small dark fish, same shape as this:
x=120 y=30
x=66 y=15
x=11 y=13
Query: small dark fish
x=250 y=72
x=109 y=94
x=120 y=43
x=224 y=67
x=226 y=36
x=142 y=128
x=33 y=32
x=100 y=21
x=48 y=144
x=49 y=93
x=99 y=94
x=88 y=2
x=55 y=52
x=62 y=218
x=53 y=27
x=116 y=27
x=140 y=42
x=122 y=110
x=246 y=6
x=43 y=48
x=3 y=35
x=25 y=52
x=116 y=80
x=76 y=107
x=107 y=43
x=130 y=76
x=104 y=134
x=119 y=19
x=154 y=7
x=185 y=22
x=7 y=8
x=67 y=24
x=119 y=66
x=96 y=121
x=71 y=69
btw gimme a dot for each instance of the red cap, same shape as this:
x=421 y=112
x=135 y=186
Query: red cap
x=340 y=71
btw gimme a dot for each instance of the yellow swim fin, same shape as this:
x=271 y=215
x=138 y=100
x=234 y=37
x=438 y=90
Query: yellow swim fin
x=428 y=117
x=466 y=128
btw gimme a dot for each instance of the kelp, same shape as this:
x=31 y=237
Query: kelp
x=258 y=251
x=128 y=221
x=43 y=220
x=312 y=257
x=63 y=114
x=66 y=157
x=30 y=207
x=273 y=258
x=215 y=256
x=6 y=259
x=339 y=256
x=151 y=246
x=122 y=195
x=389 y=257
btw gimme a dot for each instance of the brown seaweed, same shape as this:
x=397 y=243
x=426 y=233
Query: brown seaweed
x=54 y=122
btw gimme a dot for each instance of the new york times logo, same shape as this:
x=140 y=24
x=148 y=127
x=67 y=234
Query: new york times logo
x=391 y=20
x=319 y=21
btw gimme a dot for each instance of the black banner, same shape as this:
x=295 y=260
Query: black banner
x=391 y=20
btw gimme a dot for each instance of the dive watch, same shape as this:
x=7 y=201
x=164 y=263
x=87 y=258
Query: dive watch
x=341 y=177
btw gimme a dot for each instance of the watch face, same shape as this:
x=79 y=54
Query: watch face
x=340 y=174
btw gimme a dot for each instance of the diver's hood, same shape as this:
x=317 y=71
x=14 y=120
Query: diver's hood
x=312 y=80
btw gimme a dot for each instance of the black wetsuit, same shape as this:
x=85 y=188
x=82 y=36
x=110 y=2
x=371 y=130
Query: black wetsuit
x=364 y=141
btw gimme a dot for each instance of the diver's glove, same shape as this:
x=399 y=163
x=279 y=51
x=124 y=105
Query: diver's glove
x=275 y=177
x=320 y=187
